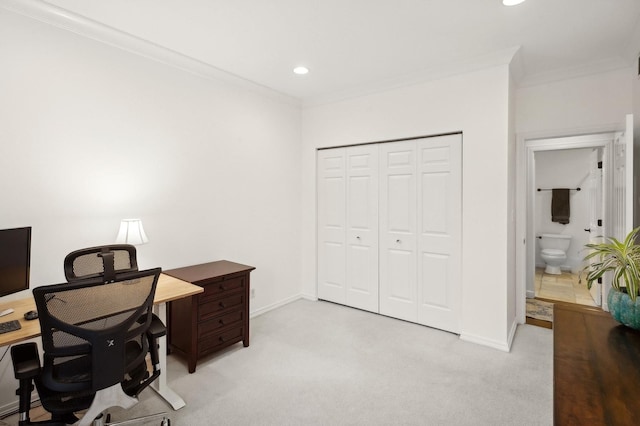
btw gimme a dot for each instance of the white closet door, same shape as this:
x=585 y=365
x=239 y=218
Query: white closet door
x=331 y=225
x=398 y=292
x=439 y=224
x=362 y=227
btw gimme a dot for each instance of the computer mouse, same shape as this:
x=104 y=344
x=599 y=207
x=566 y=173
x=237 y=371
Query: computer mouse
x=31 y=315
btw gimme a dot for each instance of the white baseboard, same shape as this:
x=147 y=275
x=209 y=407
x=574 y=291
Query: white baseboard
x=502 y=346
x=9 y=409
x=512 y=332
x=311 y=297
x=13 y=407
x=275 y=305
x=531 y=294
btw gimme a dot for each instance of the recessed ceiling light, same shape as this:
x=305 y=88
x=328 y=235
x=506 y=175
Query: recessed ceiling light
x=301 y=70
x=511 y=2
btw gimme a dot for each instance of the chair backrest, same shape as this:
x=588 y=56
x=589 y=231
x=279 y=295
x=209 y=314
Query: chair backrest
x=92 y=331
x=101 y=261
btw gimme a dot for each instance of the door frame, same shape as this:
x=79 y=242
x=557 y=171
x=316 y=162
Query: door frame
x=526 y=146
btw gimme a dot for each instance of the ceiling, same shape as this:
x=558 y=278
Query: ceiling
x=358 y=46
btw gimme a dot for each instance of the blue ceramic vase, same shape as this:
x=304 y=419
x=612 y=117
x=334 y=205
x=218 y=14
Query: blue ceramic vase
x=623 y=309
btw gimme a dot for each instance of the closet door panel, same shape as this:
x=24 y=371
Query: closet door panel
x=331 y=225
x=439 y=242
x=398 y=292
x=362 y=228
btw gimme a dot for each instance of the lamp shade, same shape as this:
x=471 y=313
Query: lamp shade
x=131 y=232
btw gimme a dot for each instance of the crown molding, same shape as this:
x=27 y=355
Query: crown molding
x=605 y=65
x=451 y=69
x=83 y=26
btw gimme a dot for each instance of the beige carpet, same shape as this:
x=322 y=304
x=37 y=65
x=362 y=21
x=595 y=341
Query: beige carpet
x=540 y=310
x=319 y=364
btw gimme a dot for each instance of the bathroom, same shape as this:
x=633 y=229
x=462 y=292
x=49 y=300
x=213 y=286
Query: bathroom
x=575 y=169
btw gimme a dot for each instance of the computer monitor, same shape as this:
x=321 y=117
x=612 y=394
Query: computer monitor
x=15 y=260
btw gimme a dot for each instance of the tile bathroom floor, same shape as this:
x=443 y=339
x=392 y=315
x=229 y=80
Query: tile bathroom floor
x=565 y=287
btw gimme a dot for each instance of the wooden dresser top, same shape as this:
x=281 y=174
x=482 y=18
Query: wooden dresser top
x=207 y=271
x=596 y=368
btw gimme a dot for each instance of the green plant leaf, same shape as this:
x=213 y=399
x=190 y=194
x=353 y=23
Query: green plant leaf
x=622 y=258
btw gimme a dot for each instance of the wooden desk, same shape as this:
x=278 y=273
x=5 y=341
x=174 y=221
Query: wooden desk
x=168 y=289
x=596 y=375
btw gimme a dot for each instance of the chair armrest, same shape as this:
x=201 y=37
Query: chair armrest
x=26 y=361
x=157 y=328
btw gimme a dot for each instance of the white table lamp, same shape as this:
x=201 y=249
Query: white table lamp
x=131 y=232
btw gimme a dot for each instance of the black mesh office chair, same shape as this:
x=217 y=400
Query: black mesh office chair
x=95 y=335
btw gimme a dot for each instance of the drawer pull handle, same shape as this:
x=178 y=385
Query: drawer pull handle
x=221 y=322
x=221 y=339
x=221 y=305
x=222 y=287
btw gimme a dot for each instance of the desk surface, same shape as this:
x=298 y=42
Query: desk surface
x=168 y=289
x=595 y=368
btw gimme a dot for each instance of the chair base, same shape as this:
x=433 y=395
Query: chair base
x=101 y=421
x=114 y=396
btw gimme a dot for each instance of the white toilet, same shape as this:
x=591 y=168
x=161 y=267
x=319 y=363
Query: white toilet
x=553 y=250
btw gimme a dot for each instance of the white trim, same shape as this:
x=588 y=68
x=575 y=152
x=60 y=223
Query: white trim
x=496 y=344
x=310 y=297
x=512 y=332
x=606 y=65
x=629 y=158
x=13 y=407
x=78 y=24
x=525 y=143
x=275 y=305
x=462 y=66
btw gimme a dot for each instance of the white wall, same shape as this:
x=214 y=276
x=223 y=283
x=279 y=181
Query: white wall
x=564 y=169
x=90 y=134
x=584 y=103
x=477 y=105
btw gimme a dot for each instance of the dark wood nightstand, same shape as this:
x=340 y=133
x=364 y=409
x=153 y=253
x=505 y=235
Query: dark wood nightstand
x=214 y=319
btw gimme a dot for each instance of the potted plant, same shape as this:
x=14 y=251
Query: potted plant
x=622 y=259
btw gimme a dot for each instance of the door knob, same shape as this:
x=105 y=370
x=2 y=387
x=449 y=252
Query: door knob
x=398 y=241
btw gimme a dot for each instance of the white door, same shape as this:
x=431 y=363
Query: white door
x=623 y=181
x=629 y=186
x=398 y=243
x=595 y=212
x=331 y=225
x=439 y=223
x=623 y=189
x=362 y=227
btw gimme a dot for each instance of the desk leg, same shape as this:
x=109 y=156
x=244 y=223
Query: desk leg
x=160 y=384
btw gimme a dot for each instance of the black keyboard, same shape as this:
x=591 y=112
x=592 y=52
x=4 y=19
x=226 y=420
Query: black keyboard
x=8 y=326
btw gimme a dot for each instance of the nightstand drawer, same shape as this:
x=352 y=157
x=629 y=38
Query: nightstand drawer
x=216 y=307
x=221 y=288
x=220 y=340
x=213 y=325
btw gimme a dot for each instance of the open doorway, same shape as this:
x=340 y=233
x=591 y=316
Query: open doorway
x=614 y=150
x=568 y=212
